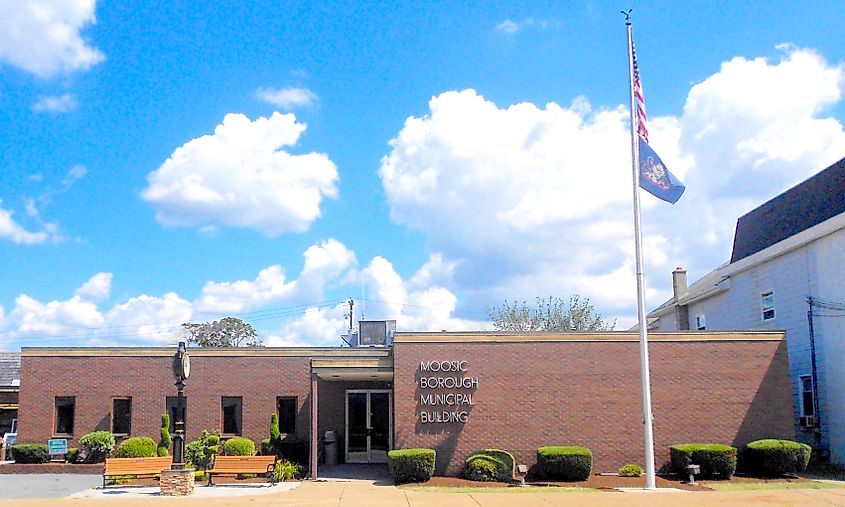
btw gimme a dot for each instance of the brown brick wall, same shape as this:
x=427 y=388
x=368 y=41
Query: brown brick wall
x=532 y=394
x=95 y=380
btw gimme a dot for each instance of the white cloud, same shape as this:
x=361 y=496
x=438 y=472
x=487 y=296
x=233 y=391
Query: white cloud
x=14 y=232
x=287 y=98
x=54 y=318
x=543 y=194
x=147 y=319
x=323 y=262
x=240 y=176
x=316 y=327
x=510 y=27
x=97 y=288
x=61 y=104
x=43 y=37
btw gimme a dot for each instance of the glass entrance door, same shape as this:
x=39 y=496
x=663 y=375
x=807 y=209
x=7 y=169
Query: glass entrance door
x=368 y=425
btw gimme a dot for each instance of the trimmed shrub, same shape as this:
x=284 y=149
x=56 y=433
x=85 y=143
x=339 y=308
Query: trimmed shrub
x=201 y=451
x=136 y=447
x=717 y=461
x=490 y=465
x=267 y=447
x=163 y=448
x=30 y=453
x=274 y=428
x=72 y=455
x=565 y=462
x=773 y=458
x=631 y=470
x=480 y=467
x=292 y=448
x=239 y=446
x=411 y=465
x=96 y=446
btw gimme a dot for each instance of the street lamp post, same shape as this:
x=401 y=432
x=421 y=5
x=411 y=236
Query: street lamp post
x=181 y=371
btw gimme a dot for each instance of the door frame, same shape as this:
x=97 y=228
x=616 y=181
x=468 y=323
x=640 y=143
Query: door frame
x=368 y=392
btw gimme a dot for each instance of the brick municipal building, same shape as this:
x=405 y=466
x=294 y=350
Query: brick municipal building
x=453 y=392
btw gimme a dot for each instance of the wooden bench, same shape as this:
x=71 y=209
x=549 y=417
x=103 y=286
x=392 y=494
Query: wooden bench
x=139 y=467
x=236 y=465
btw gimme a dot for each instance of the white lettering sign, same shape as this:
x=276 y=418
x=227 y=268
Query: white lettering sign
x=445 y=407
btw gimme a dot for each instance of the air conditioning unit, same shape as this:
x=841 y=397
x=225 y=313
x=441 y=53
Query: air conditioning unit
x=375 y=333
x=808 y=421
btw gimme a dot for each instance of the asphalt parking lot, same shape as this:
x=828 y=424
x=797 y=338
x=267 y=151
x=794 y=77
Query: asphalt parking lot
x=27 y=486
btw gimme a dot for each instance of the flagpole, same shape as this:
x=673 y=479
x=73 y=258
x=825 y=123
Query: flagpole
x=641 y=315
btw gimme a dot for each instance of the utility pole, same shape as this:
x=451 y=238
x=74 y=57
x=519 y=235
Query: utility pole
x=350 y=314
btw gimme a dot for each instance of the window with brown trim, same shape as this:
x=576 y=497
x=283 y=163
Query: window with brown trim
x=121 y=416
x=65 y=406
x=286 y=408
x=232 y=410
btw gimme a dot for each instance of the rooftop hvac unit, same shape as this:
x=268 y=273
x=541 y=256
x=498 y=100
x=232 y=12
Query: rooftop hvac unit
x=375 y=333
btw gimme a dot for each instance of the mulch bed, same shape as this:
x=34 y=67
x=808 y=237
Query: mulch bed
x=603 y=482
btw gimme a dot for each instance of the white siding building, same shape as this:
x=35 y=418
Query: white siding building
x=787 y=271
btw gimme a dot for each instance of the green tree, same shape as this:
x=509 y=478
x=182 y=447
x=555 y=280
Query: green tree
x=226 y=332
x=552 y=314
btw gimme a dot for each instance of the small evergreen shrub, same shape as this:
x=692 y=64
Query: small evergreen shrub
x=411 y=465
x=30 y=453
x=717 y=461
x=201 y=452
x=163 y=448
x=292 y=448
x=267 y=447
x=285 y=470
x=136 y=447
x=565 y=462
x=773 y=458
x=239 y=446
x=96 y=446
x=490 y=465
x=631 y=470
x=480 y=467
x=72 y=455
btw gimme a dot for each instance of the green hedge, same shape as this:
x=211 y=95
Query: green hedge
x=773 y=458
x=96 y=446
x=565 y=462
x=490 y=465
x=411 y=465
x=72 y=454
x=239 y=446
x=136 y=447
x=30 y=453
x=717 y=461
x=201 y=451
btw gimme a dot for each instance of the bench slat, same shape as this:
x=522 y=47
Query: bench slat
x=233 y=465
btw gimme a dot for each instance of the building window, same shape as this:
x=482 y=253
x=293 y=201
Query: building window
x=767 y=305
x=286 y=407
x=65 y=408
x=700 y=323
x=232 y=411
x=808 y=406
x=121 y=416
x=172 y=407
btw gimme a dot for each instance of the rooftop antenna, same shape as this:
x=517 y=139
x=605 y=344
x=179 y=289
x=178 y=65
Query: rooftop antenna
x=363 y=293
x=350 y=314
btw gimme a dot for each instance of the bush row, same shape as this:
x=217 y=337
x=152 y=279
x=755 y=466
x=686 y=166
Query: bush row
x=769 y=458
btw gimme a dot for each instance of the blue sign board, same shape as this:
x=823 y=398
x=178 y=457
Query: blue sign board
x=57 y=445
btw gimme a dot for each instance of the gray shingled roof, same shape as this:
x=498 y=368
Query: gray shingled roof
x=805 y=205
x=10 y=369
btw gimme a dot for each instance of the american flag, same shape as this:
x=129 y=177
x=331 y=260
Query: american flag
x=642 y=130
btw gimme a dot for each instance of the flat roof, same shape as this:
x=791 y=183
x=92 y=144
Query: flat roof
x=607 y=336
x=310 y=352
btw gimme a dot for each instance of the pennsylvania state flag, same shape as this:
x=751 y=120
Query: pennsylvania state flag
x=655 y=178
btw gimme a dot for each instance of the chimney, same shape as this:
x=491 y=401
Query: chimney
x=679 y=283
x=679 y=290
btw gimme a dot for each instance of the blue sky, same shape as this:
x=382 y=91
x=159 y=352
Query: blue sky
x=173 y=161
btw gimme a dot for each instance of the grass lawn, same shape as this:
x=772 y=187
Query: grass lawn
x=441 y=489
x=744 y=486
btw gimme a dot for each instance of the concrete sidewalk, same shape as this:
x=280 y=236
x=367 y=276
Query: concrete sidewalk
x=370 y=494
